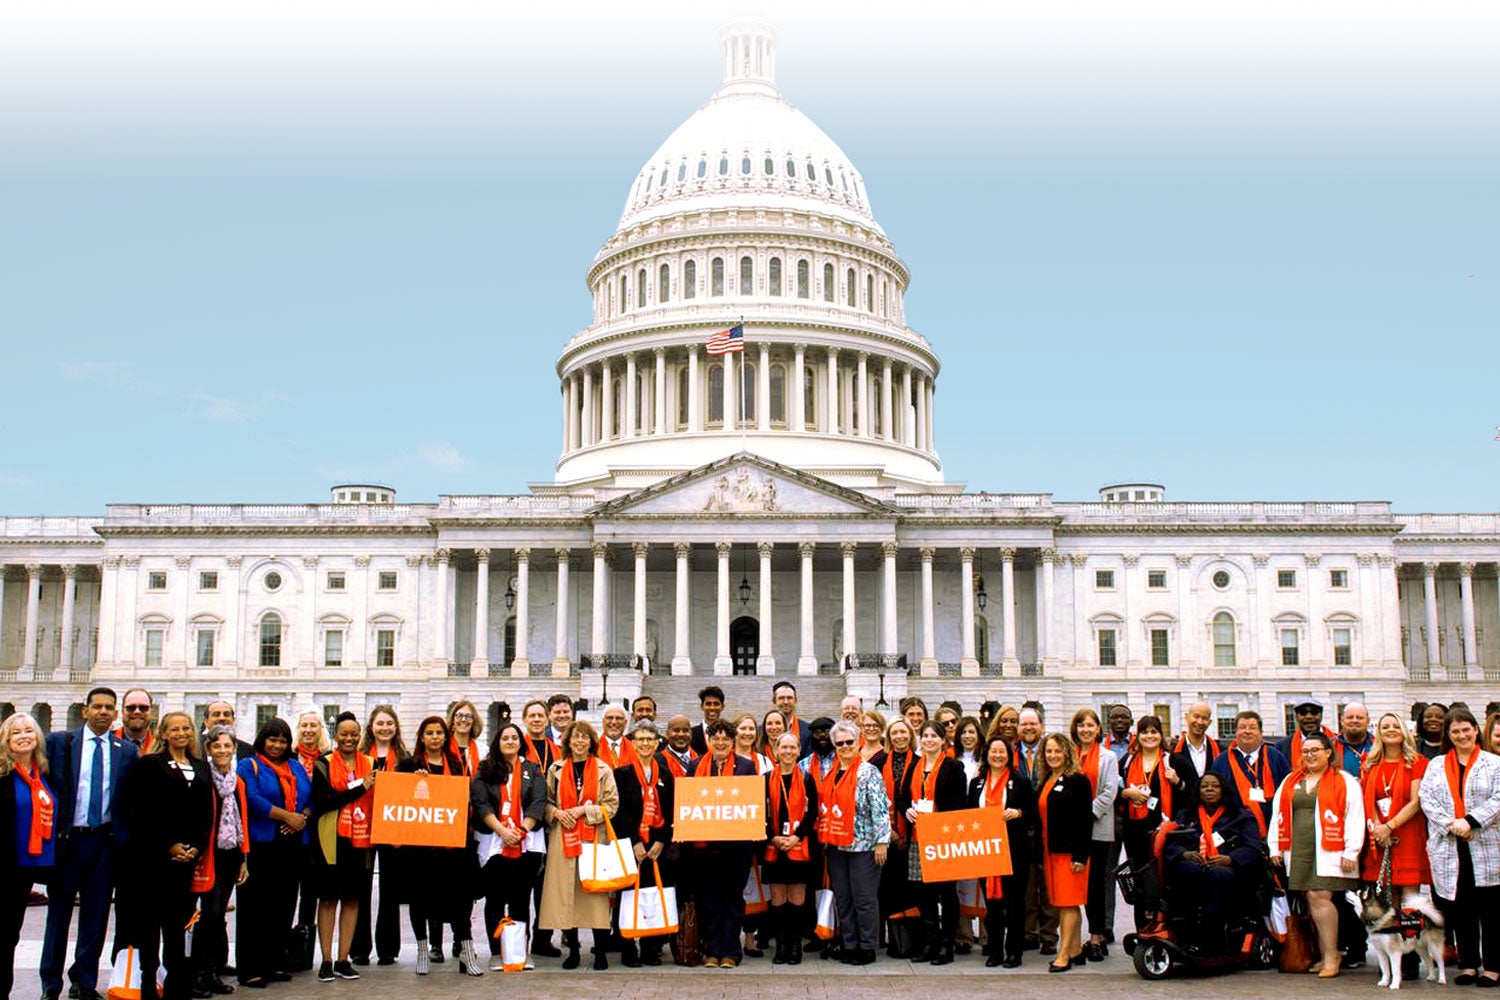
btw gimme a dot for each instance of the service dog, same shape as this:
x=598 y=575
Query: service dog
x=1391 y=936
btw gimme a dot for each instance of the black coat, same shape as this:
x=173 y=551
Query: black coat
x=627 y=818
x=1070 y=816
x=163 y=808
x=10 y=835
x=1182 y=797
x=950 y=792
x=1021 y=796
x=484 y=797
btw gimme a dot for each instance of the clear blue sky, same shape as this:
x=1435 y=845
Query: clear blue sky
x=1247 y=250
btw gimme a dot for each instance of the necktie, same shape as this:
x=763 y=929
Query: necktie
x=96 y=786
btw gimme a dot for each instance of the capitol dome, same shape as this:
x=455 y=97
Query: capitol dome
x=748 y=216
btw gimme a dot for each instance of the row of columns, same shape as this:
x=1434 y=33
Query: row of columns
x=644 y=413
x=31 y=633
x=1466 y=610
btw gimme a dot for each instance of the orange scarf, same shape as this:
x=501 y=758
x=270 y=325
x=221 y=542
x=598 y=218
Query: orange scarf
x=1088 y=763
x=651 y=818
x=1333 y=799
x=1041 y=801
x=995 y=790
x=308 y=757
x=924 y=786
x=626 y=755
x=1242 y=784
x=888 y=773
x=836 y=806
x=510 y=809
x=794 y=793
x=468 y=756
x=1206 y=821
x=568 y=797
x=544 y=757
x=1450 y=769
x=705 y=768
x=1136 y=776
x=354 y=817
x=675 y=764
x=287 y=779
x=40 y=829
x=1212 y=745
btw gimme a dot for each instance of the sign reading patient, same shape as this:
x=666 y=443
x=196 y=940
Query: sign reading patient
x=722 y=808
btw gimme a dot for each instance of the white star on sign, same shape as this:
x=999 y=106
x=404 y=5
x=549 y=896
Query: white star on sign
x=947 y=828
x=718 y=793
x=703 y=793
x=734 y=793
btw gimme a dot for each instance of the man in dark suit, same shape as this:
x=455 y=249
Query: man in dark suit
x=711 y=702
x=89 y=766
x=784 y=697
x=219 y=713
x=1200 y=749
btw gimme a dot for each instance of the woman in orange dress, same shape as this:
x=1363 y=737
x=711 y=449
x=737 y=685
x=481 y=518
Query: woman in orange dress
x=1393 y=773
x=1065 y=804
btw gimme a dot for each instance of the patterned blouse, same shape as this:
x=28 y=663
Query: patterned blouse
x=872 y=811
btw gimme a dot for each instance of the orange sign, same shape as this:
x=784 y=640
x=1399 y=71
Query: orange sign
x=421 y=810
x=727 y=808
x=967 y=843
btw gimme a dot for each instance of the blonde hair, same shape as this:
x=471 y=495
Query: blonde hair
x=161 y=734
x=7 y=729
x=324 y=744
x=911 y=742
x=871 y=715
x=999 y=713
x=1408 y=743
x=755 y=741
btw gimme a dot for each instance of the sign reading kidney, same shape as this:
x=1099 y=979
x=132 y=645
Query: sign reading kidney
x=421 y=810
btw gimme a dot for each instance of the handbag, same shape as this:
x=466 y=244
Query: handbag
x=607 y=867
x=1300 y=949
x=125 y=977
x=757 y=899
x=300 y=942
x=971 y=898
x=512 y=935
x=648 y=912
x=685 y=949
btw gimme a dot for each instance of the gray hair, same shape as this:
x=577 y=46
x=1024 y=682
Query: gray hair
x=644 y=726
x=844 y=727
x=214 y=732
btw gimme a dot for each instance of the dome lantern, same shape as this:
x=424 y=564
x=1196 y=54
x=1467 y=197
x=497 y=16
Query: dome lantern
x=749 y=57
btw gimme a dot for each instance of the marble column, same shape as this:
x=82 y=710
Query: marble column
x=888 y=599
x=847 y=550
x=807 y=658
x=1008 y=606
x=905 y=408
x=927 y=416
x=969 y=662
x=1045 y=606
x=70 y=596
x=922 y=441
x=103 y=576
x=567 y=414
x=607 y=428
x=520 y=666
x=659 y=397
x=798 y=403
x=695 y=406
x=763 y=390
x=1466 y=598
x=765 y=663
x=638 y=608
x=586 y=437
x=445 y=611
x=832 y=409
x=723 y=662
x=862 y=396
x=33 y=617
x=1429 y=594
x=561 y=666
x=887 y=419
x=682 y=659
x=481 y=661
x=597 y=647
x=632 y=398
x=929 y=619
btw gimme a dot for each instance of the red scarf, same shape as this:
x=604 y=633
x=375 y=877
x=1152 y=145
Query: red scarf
x=626 y=755
x=815 y=768
x=568 y=797
x=705 y=768
x=1137 y=776
x=308 y=757
x=40 y=829
x=888 y=773
x=286 y=778
x=544 y=757
x=1242 y=784
x=795 y=794
x=995 y=790
x=675 y=764
x=1206 y=821
x=836 y=806
x=1386 y=779
x=924 y=786
x=651 y=817
x=510 y=809
x=1088 y=763
x=1212 y=745
x=1333 y=799
x=1450 y=769
x=468 y=756
x=1336 y=753
x=354 y=817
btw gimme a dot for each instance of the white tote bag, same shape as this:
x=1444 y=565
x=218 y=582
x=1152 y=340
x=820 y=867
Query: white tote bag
x=512 y=935
x=828 y=915
x=125 y=977
x=608 y=863
x=648 y=912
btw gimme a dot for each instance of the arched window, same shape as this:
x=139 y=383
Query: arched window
x=849 y=286
x=869 y=291
x=828 y=176
x=1224 y=639
x=802 y=279
x=716 y=394
x=690 y=280
x=723 y=166
x=663 y=283
x=640 y=289
x=702 y=168
x=745 y=166
x=775 y=275
x=682 y=397
x=747 y=392
x=809 y=397
x=270 y=640
x=791 y=169
x=778 y=394
x=811 y=174
x=770 y=166
x=827 y=282
x=747 y=276
x=681 y=171
x=716 y=276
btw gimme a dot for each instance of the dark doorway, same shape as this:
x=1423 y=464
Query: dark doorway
x=744 y=644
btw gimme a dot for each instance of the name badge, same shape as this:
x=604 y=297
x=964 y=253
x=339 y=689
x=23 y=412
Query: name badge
x=786 y=829
x=923 y=805
x=505 y=810
x=1218 y=839
x=353 y=782
x=1257 y=795
x=1151 y=802
x=1383 y=806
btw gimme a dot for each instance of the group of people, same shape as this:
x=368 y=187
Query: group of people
x=173 y=822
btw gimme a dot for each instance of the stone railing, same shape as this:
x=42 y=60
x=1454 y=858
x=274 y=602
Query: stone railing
x=1038 y=502
x=888 y=662
x=478 y=505
x=216 y=514
x=50 y=527
x=1449 y=524
x=1249 y=512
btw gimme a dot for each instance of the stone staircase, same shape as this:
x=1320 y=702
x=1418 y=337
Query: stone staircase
x=679 y=695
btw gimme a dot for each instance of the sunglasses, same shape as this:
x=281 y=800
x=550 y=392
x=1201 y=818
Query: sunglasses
x=137 y=708
x=843 y=743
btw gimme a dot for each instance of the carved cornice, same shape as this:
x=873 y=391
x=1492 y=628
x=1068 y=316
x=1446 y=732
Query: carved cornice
x=270 y=531
x=1312 y=559
x=848 y=549
x=1078 y=558
x=888 y=550
x=1131 y=558
x=1365 y=558
x=765 y=548
x=183 y=562
x=1183 y=561
x=1226 y=528
x=1259 y=558
x=523 y=555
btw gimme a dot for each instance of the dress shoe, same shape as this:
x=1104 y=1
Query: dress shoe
x=88 y=993
x=199 y=990
x=601 y=960
x=630 y=955
x=1049 y=949
x=866 y=957
x=944 y=955
x=650 y=957
x=1060 y=968
x=963 y=948
x=1011 y=962
x=385 y=960
x=1465 y=979
x=544 y=947
x=278 y=977
x=1093 y=952
x=993 y=962
x=1487 y=982
x=571 y=960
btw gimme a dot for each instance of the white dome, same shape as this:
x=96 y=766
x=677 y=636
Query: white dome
x=748 y=148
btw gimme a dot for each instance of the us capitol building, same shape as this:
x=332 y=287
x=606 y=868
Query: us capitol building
x=777 y=512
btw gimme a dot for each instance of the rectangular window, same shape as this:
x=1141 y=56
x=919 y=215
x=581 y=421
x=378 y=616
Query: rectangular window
x=264 y=714
x=333 y=648
x=1160 y=649
x=1343 y=647
x=156 y=580
x=1338 y=579
x=1289 y=656
x=208 y=580
x=1156 y=579
x=270 y=641
x=1286 y=579
x=154 y=637
x=1107 y=647
x=385 y=647
x=387 y=579
x=205 y=647
x=1104 y=579
x=335 y=579
x=1224 y=715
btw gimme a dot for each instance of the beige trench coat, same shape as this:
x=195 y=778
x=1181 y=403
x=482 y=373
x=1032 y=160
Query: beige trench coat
x=564 y=903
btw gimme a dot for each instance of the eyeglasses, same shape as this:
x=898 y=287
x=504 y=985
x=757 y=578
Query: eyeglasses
x=1308 y=750
x=843 y=743
x=463 y=715
x=137 y=708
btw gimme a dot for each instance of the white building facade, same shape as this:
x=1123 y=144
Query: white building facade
x=777 y=512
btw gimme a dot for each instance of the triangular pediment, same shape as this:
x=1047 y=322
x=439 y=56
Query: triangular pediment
x=744 y=484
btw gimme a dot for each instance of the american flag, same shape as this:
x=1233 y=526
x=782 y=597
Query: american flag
x=730 y=341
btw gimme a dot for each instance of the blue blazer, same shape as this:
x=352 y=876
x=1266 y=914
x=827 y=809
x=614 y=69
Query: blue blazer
x=65 y=752
x=263 y=793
